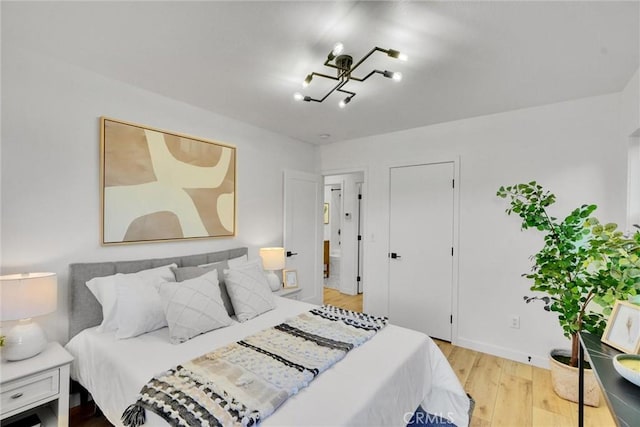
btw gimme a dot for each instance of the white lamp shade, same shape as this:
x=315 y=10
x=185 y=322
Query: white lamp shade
x=272 y=258
x=27 y=295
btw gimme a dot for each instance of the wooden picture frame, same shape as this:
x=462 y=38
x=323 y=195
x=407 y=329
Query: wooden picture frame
x=158 y=185
x=325 y=213
x=289 y=279
x=623 y=328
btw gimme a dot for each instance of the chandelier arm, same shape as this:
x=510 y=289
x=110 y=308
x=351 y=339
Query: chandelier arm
x=328 y=64
x=346 y=91
x=364 y=58
x=324 y=75
x=336 y=87
x=367 y=76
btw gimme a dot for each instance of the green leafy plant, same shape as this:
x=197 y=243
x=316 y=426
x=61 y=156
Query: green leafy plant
x=582 y=261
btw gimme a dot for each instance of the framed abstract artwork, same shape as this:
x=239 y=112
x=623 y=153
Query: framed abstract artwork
x=164 y=186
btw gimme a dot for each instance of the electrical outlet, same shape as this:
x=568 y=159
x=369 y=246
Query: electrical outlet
x=514 y=322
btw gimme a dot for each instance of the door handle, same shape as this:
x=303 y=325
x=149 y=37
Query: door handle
x=290 y=254
x=394 y=255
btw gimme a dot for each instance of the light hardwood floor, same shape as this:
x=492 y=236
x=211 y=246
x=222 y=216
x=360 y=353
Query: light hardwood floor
x=507 y=393
x=349 y=302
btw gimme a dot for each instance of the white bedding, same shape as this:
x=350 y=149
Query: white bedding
x=378 y=384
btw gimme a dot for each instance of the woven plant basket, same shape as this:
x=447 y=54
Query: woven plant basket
x=565 y=380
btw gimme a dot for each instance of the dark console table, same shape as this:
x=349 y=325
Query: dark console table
x=622 y=397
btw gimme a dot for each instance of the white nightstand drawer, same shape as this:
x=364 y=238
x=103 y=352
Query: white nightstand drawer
x=26 y=391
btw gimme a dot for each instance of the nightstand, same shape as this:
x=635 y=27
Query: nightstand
x=38 y=385
x=291 y=293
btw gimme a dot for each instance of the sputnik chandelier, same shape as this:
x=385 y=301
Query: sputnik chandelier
x=345 y=67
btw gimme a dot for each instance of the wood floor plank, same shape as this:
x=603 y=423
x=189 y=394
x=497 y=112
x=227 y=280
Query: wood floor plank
x=513 y=402
x=546 y=399
x=479 y=422
x=462 y=360
x=544 y=418
x=482 y=384
x=518 y=369
x=348 y=302
x=595 y=417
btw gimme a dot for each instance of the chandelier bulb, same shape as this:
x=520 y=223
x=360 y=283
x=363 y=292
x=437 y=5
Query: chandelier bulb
x=307 y=80
x=298 y=96
x=344 y=102
x=392 y=75
x=337 y=49
x=397 y=54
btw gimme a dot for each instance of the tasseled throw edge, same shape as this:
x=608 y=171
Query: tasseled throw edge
x=134 y=415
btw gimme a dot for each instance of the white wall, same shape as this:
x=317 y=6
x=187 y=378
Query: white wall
x=50 y=169
x=573 y=148
x=630 y=106
x=630 y=120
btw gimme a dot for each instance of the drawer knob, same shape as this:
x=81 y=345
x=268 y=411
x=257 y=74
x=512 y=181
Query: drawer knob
x=16 y=396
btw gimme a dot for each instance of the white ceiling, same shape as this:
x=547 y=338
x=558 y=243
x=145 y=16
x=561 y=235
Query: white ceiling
x=246 y=59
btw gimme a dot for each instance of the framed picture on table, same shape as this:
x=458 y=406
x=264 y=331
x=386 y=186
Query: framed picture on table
x=623 y=328
x=290 y=278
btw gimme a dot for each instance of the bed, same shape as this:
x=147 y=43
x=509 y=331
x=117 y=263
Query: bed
x=380 y=383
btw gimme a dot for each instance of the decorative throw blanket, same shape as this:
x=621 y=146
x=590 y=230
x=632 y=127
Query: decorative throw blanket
x=243 y=383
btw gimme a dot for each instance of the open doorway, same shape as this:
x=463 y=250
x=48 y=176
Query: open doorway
x=344 y=278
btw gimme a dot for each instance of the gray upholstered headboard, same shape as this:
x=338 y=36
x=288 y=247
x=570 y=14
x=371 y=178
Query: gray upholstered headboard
x=85 y=309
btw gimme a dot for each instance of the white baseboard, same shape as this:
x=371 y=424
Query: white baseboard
x=505 y=353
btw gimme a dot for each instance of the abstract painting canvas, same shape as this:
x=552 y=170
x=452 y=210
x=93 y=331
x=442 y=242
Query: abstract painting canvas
x=162 y=186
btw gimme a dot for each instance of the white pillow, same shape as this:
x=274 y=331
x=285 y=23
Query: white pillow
x=249 y=290
x=193 y=307
x=105 y=290
x=237 y=262
x=139 y=309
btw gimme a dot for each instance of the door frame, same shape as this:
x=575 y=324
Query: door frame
x=456 y=228
x=363 y=224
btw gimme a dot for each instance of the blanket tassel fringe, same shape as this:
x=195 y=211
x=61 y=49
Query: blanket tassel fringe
x=134 y=415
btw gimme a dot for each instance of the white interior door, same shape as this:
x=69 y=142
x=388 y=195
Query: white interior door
x=303 y=203
x=421 y=248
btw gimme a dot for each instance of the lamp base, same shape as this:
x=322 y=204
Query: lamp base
x=24 y=340
x=274 y=281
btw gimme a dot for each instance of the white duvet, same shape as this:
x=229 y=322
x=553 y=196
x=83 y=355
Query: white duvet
x=378 y=384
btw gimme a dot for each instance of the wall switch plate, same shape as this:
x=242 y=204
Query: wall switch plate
x=514 y=322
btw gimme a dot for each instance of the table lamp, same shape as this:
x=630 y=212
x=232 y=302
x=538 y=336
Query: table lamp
x=272 y=259
x=23 y=296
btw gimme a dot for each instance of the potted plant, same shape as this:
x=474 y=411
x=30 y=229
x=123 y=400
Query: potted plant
x=582 y=263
